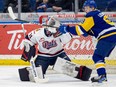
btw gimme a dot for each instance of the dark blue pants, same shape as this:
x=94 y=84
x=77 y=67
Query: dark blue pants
x=103 y=49
x=46 y=61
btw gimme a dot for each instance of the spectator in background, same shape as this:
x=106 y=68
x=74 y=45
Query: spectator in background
x=1 y=6
x=81 y=2
x=60 y=5
x=12 y=3
x=37 y=3
x=51 y=2
x=43 y=6
x=111 y=6
x=102 y=4
x=32 y=5
x=26 y=6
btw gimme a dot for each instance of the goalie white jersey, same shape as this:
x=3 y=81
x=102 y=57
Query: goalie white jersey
x=48 y=45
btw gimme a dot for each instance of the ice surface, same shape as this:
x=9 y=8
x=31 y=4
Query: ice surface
x=9 y=77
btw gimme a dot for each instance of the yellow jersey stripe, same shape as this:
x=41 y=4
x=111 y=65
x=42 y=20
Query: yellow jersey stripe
x=77 y=30
x=100 y=65
x=107 y=35
x=108 y=21
x=88 y=23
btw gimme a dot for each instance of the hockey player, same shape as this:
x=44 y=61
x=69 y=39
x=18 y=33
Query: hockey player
x=50 y=47
x=98 y=25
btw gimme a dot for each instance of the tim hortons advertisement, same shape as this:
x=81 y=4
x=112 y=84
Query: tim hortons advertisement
x=11 y=37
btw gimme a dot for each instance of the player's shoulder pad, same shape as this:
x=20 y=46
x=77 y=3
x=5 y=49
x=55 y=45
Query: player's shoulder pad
x=38 y=30
x=92 y=13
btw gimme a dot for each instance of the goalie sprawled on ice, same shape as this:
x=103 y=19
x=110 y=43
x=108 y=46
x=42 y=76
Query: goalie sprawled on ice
x=50 y=52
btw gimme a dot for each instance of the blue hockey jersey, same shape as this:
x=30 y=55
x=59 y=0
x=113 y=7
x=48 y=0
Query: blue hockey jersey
x=96 y=24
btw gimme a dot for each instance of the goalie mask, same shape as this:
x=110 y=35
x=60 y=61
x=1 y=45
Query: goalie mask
x=47 y=32
x=53 y=22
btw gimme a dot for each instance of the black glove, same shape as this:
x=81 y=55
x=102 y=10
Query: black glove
x=26 y=56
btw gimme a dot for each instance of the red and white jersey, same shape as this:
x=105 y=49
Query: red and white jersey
x=48 y=45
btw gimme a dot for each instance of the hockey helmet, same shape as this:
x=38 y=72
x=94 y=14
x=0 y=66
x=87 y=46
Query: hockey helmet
x=52 y=21
x=90 y=3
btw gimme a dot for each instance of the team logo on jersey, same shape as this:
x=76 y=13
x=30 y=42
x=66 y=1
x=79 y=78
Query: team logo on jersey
x=48 y=45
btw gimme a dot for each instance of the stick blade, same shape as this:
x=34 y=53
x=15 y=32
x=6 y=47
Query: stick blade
x=45 y=80
x=11 y=13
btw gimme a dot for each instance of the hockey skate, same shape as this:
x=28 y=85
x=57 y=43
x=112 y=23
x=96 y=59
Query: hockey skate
x=99 y=79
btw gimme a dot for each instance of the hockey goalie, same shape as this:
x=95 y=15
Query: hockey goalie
x=50 y=52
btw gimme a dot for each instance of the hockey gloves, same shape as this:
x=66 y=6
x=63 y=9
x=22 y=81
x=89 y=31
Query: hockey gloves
x=26 y=56
x=63 y=28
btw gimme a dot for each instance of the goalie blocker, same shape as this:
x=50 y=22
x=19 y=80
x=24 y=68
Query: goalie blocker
x=73 y=70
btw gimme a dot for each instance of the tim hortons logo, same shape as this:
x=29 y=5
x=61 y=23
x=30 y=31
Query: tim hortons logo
x=78 y=43
x=16 y=36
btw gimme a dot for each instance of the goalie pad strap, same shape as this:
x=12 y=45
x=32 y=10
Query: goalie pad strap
x=80 y=73
x=84 y=73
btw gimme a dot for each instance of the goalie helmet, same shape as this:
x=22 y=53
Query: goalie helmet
x=90 y=3
x=52 y=21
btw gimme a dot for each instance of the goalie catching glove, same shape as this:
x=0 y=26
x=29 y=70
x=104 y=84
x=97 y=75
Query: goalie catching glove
x=29 y=50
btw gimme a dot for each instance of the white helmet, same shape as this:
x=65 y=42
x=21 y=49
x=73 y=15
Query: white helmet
x=53 y=22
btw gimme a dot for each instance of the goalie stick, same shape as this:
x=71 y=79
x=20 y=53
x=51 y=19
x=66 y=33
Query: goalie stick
x=40 y=79
x=12 y=15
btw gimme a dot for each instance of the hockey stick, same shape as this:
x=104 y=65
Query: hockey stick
x=37 y=78
x=12 y=15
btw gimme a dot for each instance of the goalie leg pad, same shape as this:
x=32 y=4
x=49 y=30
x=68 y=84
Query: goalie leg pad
x=84 y=73
x=73 y=70
x=24 y=74
x=65 y=67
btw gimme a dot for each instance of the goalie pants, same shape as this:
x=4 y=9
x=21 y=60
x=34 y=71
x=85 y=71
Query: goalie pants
x=46 y=61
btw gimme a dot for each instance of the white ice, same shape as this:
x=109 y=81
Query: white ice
x=9 y=77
